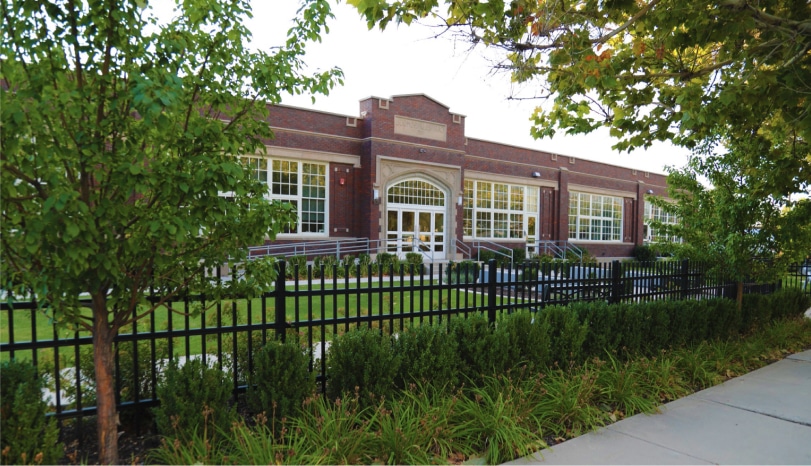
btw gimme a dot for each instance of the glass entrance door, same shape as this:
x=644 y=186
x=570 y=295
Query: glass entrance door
x=412 y=230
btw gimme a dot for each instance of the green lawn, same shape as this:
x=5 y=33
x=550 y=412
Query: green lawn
x=376 y=301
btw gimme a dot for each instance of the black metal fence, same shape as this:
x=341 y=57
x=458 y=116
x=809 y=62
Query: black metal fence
x=327 y=303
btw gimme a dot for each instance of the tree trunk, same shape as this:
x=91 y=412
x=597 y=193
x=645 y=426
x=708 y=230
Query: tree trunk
x=107 y=415
x=739 y=296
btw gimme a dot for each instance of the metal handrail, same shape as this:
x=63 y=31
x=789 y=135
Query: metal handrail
x=558 y=249
x=466 y=250
x=314 y=248
x=494 y=248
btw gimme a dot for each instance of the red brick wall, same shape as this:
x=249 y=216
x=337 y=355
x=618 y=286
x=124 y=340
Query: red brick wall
x=350 y=203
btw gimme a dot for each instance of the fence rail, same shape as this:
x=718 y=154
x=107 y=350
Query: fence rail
x=327 y=303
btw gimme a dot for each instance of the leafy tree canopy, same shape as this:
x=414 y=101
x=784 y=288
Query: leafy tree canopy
x=686 y=71
x=119 y=141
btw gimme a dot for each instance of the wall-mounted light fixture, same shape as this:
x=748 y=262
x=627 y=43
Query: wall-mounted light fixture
x=422 y=151
x=536 y=174
x=376 y=196
x=650 y=191
x=459 y=200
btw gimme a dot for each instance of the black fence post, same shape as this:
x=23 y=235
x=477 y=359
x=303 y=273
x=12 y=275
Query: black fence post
x=685 y=278
x=616 y=282
x=491 y=291
x=280 y=322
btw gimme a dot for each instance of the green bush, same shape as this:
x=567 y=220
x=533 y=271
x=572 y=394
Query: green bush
x=484 y=255
x=461 y=272
x=28 y=436
x=296 y=263
x=529 y=340
x=482 y=351
x=644 y=253
x=519 y=255
x=427 y=355
x=414 y=259
x=385 y=263
x=504 y=257
x=326 y=266
x=280 y=380
x=193 y=398
x=363 y=360
x=567 y=334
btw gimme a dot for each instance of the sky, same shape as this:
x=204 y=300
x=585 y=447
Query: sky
x=407 y=60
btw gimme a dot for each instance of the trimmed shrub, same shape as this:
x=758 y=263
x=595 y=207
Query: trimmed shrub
x=567 y=334
x=519 y=255
x=529 y=340
x=296 y=267
x=326 y=266
x=427 y=355
x=280 y=380
x=484 y=255
x=414 y=259
x=193 y=397
x=644 y=253
x=363 y=360
x=461 y=272
x=28 y=436
x=482 y=351
x=385 y=263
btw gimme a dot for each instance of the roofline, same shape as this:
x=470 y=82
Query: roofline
x=563 y=155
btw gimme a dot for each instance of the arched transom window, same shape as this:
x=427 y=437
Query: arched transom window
x=416 y=192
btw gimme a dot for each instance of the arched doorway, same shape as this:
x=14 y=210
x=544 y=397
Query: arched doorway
x=416 y=219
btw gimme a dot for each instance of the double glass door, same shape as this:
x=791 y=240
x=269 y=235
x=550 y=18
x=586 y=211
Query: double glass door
x=416 y=230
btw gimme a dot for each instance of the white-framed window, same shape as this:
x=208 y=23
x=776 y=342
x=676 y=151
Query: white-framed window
x=499 y=210
x=656 y=213
x=302 y=184
x=594 y=217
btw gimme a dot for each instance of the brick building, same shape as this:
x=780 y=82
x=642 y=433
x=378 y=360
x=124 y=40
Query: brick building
x=404 y=175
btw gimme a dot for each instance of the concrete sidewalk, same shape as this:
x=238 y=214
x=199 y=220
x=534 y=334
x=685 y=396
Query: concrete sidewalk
x=763 y=417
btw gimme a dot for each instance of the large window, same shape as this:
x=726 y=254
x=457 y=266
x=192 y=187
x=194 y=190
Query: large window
x=656 y=213
x=499 y=210
x=593 y=217
x=302 y=184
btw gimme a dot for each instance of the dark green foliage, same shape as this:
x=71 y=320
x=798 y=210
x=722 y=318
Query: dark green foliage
x=603 y=326
x=296 y=263
x=758 y=310
x=484 y=255
x=26 y=435
x=503 y=257
x=723 y=319
x=482 y=351
x=385 y=263
x=644 y=253
x=280 y=380
x=363 y=360
x=567 y=334
x=529 y=340
x=325 y=266
x=519 y=255
x=461 y=272
x=414 y=259
x=193 y=397
x=428 y=355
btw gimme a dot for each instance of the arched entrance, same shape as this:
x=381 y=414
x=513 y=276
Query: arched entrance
x=416 y=219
